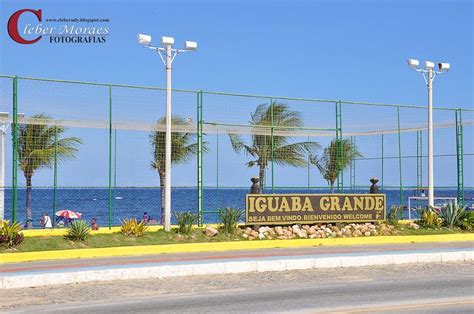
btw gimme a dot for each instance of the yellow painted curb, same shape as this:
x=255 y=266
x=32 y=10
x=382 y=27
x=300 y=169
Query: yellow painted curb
x=223 y=246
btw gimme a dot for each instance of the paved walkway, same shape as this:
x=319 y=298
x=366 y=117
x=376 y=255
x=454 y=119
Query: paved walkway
x=44 y=273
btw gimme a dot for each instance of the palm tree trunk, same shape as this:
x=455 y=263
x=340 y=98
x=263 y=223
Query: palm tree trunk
x=29 y=212
x=332 y=186
x=162 y=188
x=261 y=175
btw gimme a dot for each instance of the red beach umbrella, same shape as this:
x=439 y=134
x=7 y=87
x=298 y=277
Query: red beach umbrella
x=66 y=213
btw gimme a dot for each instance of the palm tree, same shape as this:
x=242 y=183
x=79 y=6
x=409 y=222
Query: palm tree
x=330 y=165
x=183 y=149
x=260 y=147
x=38 y=144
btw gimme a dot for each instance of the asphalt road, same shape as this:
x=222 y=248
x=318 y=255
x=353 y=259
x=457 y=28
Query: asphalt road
x=438 y=288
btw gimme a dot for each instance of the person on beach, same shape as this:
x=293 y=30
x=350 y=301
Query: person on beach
x=145 y=217
x=45 y=221
x=94 y=224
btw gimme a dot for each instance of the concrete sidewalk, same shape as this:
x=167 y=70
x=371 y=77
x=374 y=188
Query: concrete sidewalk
x=34 y=274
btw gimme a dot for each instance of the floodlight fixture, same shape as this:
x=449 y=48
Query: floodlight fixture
x=444 y=66
x=190 y=45
x=144 y=39
x=20 y=115
x=165 y=41
x=4 y=114
x=429 y=65
x=413 y=63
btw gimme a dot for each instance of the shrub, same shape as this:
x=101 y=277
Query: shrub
x=467 y=222
x=131 y=227
x=185 y=222
x=453 y=215
x=395 y=214
x=429 y=218
x=10 y=234
x=228 y=218
x=78 y=230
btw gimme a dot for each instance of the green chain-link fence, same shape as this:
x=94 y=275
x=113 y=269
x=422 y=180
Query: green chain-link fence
x=99 y=148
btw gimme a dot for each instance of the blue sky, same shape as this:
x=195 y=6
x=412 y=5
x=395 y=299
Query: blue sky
x=352 y=50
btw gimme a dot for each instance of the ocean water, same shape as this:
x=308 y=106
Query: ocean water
x=133 y=202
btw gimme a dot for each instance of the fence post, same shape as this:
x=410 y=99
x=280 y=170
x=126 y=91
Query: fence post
x=55 y=179
x=339 y=157
x=308 y=166
x=352 y=166
x=381 y=182
x=217 y=170
x=400 y=155
x=15 y=151
x=199 y=158
x=459 y=156
x=110 y=156
x=272 y=144
x=115 y=171
x=419 y=159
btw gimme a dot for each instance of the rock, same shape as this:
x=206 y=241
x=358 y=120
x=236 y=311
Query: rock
x=364 y=229
x=289 y=233
x=279 y=231
x=367 y=233
x=305 y=227
x=357 y=233
x=313 y=236
x=245 y=236
x=348 y=233
x=303 y=234
x=254 y=234
x=210 y=231
x=248 y=230
x=323 y=235
x=296 y=229
x=312 y=230
x=282 y=237
x=385 y=230
x=413 y=225
x=263 y=229
x=261 y=236
x=339 y=234
x=252 y=238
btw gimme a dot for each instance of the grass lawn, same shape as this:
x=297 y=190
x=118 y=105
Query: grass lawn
x=161 y=237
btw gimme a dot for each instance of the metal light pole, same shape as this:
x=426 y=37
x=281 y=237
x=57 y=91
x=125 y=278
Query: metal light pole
x=171 y=54
x=429 y=75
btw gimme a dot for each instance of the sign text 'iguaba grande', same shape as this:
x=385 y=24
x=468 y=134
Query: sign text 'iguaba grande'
x=273 y=209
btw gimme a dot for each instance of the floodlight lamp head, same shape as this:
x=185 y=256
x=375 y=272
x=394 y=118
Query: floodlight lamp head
x=20 y=115
x=444 y=66
x=144 y=39
x=413 y=63
x=429 y=65
x=190 y=45
x=4 y=114
x=167 y=41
